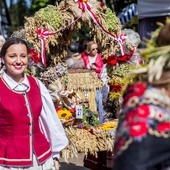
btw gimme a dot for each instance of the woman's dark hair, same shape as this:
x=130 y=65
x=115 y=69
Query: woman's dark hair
x=12 y=41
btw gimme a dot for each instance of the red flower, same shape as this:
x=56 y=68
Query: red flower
x=113 y=59
x=101 y=4
x=35 y=56
x=136 y=89
x=142 y=111
x=115 y=87
x=59 y=108
x=163 y=127
x=124 y=58
x=138 y=129
x=72 y=110
x=130 y=118
x=110 y=60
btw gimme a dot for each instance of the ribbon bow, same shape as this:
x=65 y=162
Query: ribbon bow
x=43 y=35
x=83 y=4
x=121 y=41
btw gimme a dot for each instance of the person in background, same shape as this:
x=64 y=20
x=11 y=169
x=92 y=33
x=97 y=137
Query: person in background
x=2 y=41
x=149 y=13
x=92 y=59
x=32 y=135
x=133 y=40
x=142 y=140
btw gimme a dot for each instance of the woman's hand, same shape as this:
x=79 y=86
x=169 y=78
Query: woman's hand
x=93 y=66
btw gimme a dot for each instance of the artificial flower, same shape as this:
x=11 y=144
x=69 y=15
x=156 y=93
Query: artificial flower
x=138 y=129
x=114 y=59
x=35 y=56
x=136 y=89
x=115 y=87
x=164 y=127
x=64 y=114
x=109 y=125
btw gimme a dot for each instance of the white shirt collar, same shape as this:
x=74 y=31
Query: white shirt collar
x=14 y=85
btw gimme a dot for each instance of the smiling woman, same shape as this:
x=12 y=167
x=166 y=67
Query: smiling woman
x=15 y=59
x=29 y=125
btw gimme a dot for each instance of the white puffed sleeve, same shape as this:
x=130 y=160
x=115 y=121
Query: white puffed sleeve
x=51 y=124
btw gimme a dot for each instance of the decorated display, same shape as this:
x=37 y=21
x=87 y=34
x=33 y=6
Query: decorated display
x=49 y=33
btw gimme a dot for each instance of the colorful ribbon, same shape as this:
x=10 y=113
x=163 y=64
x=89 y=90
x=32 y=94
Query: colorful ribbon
x=85 y=5
x=43 y=35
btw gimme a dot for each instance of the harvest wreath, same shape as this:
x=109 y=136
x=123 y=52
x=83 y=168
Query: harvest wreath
x=49 y=33
x=51 y=29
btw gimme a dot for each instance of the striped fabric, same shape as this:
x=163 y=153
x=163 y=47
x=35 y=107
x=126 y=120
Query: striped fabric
x=128 y=13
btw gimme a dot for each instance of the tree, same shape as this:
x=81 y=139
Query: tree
x=17 y=13
x=19 y=9
x=37 y=4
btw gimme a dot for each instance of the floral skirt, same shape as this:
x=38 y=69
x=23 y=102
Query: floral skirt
x=48 y=165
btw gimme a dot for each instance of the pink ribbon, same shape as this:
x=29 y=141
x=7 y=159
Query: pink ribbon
x=120 y=38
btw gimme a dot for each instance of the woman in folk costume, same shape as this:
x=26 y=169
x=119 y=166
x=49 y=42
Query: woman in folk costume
x=32 y=135
x=142 y=139
x=92 y=59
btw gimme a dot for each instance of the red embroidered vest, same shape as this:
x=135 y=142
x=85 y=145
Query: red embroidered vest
x=20 y=134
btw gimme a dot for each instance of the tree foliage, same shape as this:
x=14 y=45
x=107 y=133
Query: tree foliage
x=22 y=8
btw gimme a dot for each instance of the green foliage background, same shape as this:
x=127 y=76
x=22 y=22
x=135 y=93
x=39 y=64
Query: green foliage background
x=20 y=9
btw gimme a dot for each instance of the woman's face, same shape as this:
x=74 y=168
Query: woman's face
x=16 y=61
x=93 y=50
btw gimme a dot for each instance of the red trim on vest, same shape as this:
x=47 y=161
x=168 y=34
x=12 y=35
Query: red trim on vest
x=20 y=134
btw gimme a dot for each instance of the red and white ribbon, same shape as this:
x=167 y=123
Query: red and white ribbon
x=85 y=5
x=43 y=35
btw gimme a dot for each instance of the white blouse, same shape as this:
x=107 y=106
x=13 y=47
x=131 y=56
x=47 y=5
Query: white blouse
x=50 y=123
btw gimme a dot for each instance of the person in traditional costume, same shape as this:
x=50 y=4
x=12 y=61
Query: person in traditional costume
x=32 y=135
x=142 y=140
